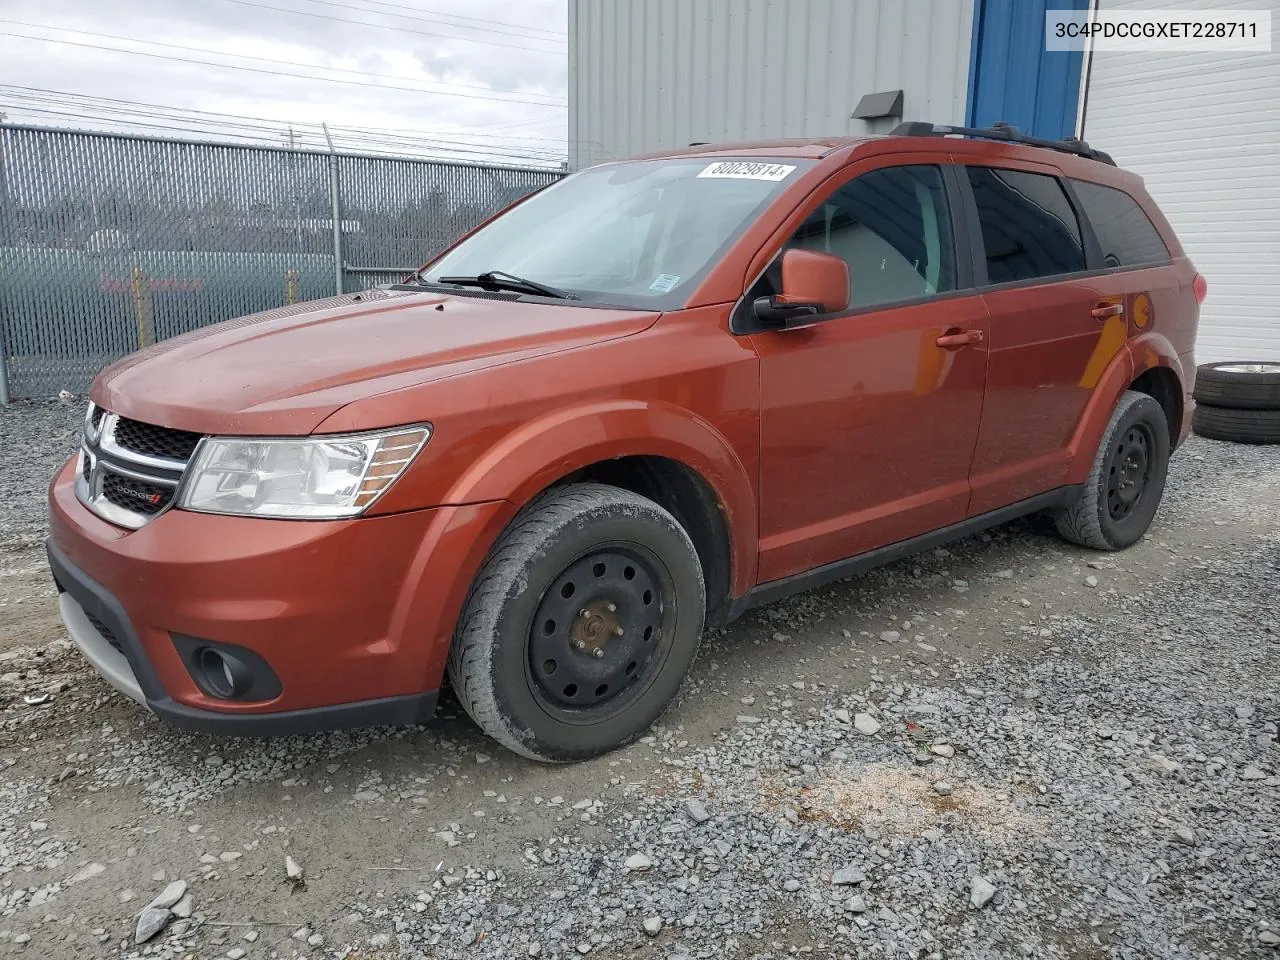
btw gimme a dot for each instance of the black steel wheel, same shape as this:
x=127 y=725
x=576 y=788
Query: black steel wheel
x=1116 y=504
x=597 y=637
x=581 y=625
x=1128 y=469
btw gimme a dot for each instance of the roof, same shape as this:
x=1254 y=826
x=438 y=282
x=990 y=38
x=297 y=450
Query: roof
x=999 y=140
x=806 y=147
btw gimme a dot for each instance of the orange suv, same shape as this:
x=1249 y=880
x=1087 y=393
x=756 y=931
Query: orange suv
x=645 y=399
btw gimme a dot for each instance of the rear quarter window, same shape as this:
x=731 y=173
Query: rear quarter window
x=1126 y=235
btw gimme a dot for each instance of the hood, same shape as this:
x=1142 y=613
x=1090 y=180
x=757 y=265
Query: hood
x=286 y=370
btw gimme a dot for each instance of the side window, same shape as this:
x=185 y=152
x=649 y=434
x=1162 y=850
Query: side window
x=1029 y=229
x=1125 y=233
x=892 y=228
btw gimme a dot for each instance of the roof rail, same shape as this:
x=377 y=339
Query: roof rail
x=1003 y=132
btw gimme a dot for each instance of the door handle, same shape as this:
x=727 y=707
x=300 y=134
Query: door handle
x=956 y=339
x=1104 y=310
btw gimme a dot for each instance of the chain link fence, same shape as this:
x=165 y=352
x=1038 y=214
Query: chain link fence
x=110 y=242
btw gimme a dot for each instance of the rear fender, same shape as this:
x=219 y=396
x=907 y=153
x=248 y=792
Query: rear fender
x=1138 y=355
x=1154 y=349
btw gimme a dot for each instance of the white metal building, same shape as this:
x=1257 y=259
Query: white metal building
x=1202 y=129
x=653 y=74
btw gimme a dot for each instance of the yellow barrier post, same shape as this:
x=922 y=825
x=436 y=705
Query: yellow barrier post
x=144 y=307
x=291 y=287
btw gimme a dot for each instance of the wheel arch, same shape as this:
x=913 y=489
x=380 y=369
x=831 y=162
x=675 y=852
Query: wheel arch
x=1162 y=385
x=686 y=495
x=658 y=450
x=1147 y=364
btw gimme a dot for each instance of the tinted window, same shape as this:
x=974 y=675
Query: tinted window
x=1028 y=227
x=1125 y=234
x=892 y=228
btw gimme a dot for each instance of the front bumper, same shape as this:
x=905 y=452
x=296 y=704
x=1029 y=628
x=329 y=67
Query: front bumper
x=101 y=630
x=103 y=655
x=354 y=617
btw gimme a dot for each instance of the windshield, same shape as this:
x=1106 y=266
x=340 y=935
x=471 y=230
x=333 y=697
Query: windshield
x=637 y=234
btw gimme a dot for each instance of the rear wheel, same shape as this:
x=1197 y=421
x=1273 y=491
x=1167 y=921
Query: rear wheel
x=1120 y=498
x=581 y=626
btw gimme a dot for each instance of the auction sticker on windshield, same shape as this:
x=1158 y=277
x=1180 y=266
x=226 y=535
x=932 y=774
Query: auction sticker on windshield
x=748 y=170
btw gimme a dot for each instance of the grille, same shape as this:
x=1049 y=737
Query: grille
x=96 y=417
x=103 y=629
x=132 y=469
x=156 y=441
x=126 y=493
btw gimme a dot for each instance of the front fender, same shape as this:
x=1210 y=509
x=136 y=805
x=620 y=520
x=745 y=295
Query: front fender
x=532 y=457
x=536 y=454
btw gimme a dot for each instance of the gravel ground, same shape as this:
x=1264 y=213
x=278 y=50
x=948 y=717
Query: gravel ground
x=1010 y=747
x=37 y=436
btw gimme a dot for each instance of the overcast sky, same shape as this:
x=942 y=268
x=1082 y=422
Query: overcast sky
x=482 y=75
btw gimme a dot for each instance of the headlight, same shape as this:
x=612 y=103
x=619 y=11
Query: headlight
x=312 y=478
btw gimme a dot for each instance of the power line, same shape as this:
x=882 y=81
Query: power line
x=379 y=26
x=463 y=136
x=43 y=111
x=125 y=115
x=160 y=111
x=282 y=63
x=124 y=112
x=396 y=151
x=278 y=73
x=507 y=124
x=435 y=11
x=416 y=13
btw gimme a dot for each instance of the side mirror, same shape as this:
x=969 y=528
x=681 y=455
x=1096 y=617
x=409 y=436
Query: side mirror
x=813 y=283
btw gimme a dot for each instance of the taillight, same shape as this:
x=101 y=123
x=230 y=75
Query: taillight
x=1200 y=286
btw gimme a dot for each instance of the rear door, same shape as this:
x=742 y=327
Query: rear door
x=1054 y=327
x=1156 y=292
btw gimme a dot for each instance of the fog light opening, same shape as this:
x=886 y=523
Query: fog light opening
x=225 y=676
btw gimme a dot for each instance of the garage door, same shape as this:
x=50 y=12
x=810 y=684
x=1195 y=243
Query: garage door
x=1203 y=130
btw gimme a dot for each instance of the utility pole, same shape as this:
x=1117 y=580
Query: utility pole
x=336 y=197
x=4 y=353
x=296 y=189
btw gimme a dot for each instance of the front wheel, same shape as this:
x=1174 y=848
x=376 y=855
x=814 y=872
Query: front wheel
x=1119 y=500
x=581 y=625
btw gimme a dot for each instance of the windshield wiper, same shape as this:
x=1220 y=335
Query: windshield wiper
x=499 y=280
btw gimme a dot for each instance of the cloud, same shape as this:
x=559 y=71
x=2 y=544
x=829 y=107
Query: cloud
x=479 y=106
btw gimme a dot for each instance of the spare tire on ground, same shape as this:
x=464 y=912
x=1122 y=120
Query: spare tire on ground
x=1239 y=385
x=1239 y=426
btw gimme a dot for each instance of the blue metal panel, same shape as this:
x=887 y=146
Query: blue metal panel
x=1011 y=75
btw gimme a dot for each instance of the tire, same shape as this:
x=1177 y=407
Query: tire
x=1239 y=385
x=584 y=568
x=1238 y=426
x=1120 y=498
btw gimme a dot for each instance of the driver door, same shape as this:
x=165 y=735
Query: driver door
x=868 y=423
